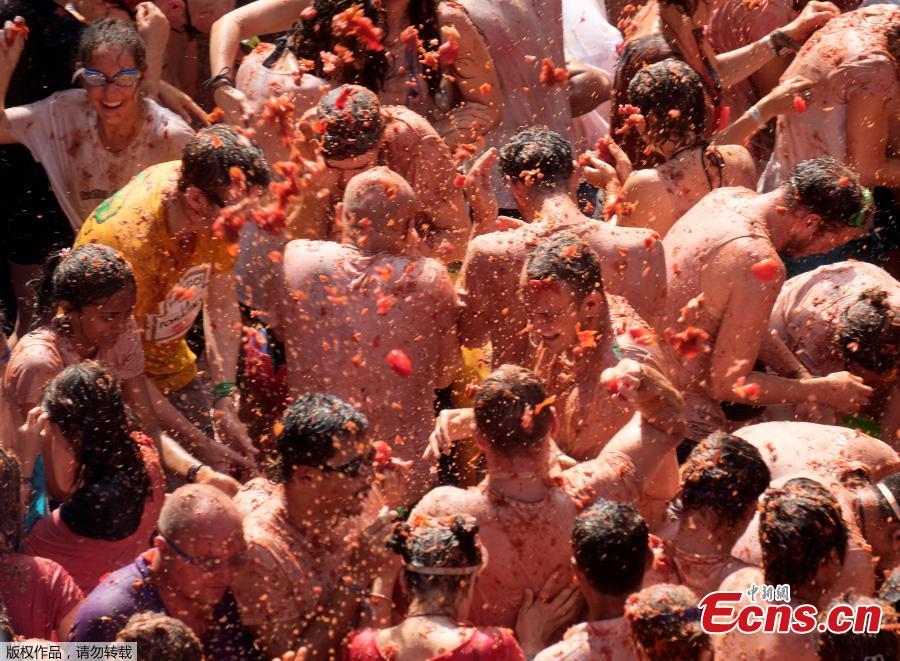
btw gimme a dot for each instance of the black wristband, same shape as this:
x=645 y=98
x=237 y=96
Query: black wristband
x=782 y=42
x=221 y=79
x=192 y=472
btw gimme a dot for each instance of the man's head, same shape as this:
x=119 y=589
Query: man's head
x=378 y=211
x=828 y=206
x=159 y=636
x=112 y=50
x=851 y=645
x=722 y=478
x=672 y=99
x=802 y=534
x=323 y=455
x=220 y=167
x=201 y=543
x=512 y=416
x=562 y=287
x=350 y=125
x=878 y=516
x=11 y=534
x=665 y=624
x=868 y=333
x=609 y=545
x=535 y=162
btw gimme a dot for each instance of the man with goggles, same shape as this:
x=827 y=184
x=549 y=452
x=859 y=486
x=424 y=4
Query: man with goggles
x=188 y=575
x=311 y=556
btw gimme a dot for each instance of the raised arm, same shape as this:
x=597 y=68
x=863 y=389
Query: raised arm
x=12 y=41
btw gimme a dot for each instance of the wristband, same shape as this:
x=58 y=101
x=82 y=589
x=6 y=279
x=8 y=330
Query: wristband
x=221 y=79
x=782 y=43
x=224 y=389
x=757 y=117
x=191 y=475
x=770 y=43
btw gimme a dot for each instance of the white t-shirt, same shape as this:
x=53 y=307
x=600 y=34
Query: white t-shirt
x=61 y=132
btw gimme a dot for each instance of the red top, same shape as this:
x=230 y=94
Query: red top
x=38 y=594
x=89 y=560
x=484 y=644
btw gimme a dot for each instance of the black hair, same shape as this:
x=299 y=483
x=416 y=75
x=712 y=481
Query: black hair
x=869 y=332
x=892 y=40
x=802 y=514
x=724 y=474
x=309 y=428
x=882 y=645
x=826 y=187
x=208 y=157
x=665 y=623
x=85 y=401
x=609 y=543
x=11 y=514
x=892 y=484
x=112 y=32
x=538 y=155
x=437 y=543
x=310 y=37
x=672 y=98
x=161 y=637
x=511 y=410
x=565 y=257
x=351 y=122
x=88 y=275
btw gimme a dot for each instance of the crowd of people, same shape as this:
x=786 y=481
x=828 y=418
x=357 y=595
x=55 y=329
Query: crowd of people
x=448 y=329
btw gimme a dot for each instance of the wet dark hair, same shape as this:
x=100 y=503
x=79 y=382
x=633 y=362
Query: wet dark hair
x=543 y=155
x=826 y=187
x=801 y=515
x=869 y=333
x=890 y=589
x=892 y=40
x=665 y=623
x=451 y=542
x=892 y=484
x=11 y=511
x=505 y=407
x=565 y=257
x=672 y=98
x=309 y=428
x=88 y=275
x=208 y=157
x=112 y=32
x=159 y=636
x=724 y=474
x=311 y=37
x=882 y=645
x=85 y=401
x=351 y=122
x=609 y=543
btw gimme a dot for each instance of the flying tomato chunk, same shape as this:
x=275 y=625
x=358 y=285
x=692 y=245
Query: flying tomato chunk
x=400 y=363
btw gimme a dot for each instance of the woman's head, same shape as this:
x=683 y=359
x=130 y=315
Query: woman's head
x=92 y=291
x=85 y=406
x=673 y=100
x=112 y=59
x=10 y=501
x=318 y=32
x=441 y=558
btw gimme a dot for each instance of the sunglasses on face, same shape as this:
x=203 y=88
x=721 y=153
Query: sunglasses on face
x=353 y=468
x=94 y=78
x=208 y=565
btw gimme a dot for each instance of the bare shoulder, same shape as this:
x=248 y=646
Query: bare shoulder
x=445 y=501
x=453 y=13
x=644 y=182
x=741 y=579
x=740 y=168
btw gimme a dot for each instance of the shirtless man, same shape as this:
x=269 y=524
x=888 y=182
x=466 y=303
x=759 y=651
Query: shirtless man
x=846 y=316
x=356 y=133
x=525 y=516
x=310 y=553
x=804 y=544
x=724 y=274
x=367 y=322
x=720 y=483
x=539 y=171
x=855 y=468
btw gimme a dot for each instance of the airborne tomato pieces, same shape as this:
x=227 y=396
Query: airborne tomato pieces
x=766 y=269
x=552 y=74
x=400 y=363
x=449 y=50
x=690 y=342
x=383 y=455
x=746 y=390
x=353 y=22
x=799 y=104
